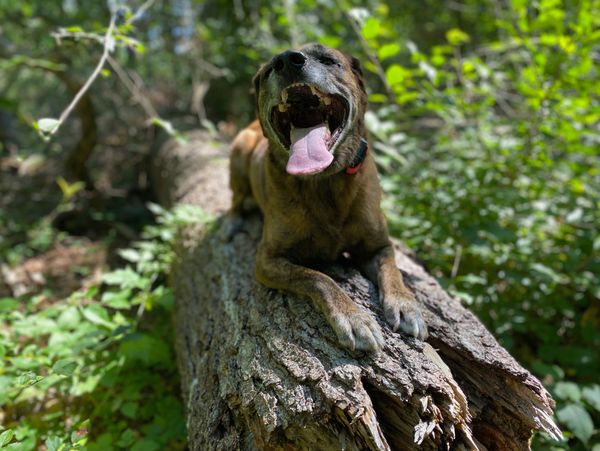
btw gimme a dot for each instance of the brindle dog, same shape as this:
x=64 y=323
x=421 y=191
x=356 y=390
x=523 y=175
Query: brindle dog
x=307 y=167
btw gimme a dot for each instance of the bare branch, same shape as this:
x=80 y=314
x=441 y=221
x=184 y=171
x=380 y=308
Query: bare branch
x=136 y=92
x=109 y=45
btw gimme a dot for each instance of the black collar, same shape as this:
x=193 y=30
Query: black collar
x=359 y=158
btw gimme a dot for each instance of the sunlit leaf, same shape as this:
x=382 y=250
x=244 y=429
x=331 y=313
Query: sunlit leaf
x=456 y=36
x=6 y=437
x=47 y=125
x=568 y=391
x=371 y=28
x=388 y=50
x=578 y=420
x=592 y=396
x=65 y=367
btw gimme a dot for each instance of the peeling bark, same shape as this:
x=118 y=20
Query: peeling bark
x=261 y=369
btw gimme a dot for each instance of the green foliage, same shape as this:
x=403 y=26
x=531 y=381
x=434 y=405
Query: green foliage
x=485 y=126
x=498 y=189
x=96 y=370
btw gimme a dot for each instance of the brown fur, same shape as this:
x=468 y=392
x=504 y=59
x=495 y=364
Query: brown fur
x=319 y=217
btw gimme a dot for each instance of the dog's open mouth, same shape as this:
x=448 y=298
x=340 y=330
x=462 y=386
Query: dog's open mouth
x=309 y=123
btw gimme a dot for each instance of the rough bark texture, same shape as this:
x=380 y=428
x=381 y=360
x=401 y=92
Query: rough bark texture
x=261 y=369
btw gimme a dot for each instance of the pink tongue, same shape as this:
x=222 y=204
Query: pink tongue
x=309 y=150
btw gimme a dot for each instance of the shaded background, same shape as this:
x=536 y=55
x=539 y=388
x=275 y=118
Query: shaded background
x=484 y=121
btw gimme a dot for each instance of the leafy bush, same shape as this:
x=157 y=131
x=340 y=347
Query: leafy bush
x=96 y=370
x=490 y=155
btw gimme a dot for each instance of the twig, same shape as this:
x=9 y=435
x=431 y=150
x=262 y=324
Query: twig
x=132 y=88
x=83 y=35
x=108 y=47
x=140 y=12
x=456 y=263
x=63 y=34
x=211 y=69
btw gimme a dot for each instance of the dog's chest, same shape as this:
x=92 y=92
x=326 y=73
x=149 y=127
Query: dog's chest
x=319 y=229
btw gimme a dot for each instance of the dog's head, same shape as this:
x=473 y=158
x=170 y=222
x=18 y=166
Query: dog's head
x=311 y=103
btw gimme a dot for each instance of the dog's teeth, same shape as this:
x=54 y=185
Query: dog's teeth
x=313 y=91
x=284 y=96
x=326 y=101
x=282 y=107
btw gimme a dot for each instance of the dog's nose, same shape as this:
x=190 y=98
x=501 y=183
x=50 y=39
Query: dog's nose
x=289 y=60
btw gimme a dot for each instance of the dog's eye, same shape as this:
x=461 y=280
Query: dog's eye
x=328 y=61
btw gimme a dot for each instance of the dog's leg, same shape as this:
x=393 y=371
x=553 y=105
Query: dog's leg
x=399 y=304
x=239 y=181
x=355 y=328
x=239 y=178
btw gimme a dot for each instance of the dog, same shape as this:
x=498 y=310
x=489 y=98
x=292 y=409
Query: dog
x=305 y=164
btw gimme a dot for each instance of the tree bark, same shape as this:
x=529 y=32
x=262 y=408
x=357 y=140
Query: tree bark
x=261 y=369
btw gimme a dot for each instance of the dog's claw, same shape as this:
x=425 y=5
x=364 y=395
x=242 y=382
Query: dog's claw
x=358 y=331
x=402 y=313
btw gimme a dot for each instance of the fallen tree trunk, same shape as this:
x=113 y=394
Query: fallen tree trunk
x=261 y=369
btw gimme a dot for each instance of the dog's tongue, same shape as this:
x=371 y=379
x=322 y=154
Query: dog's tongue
x=309 y=150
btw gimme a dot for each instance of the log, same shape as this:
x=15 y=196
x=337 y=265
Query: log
x=261 y=369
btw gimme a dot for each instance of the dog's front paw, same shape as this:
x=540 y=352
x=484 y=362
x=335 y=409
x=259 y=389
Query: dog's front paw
x=401 y=312
x=232 y=225
x=357 y=330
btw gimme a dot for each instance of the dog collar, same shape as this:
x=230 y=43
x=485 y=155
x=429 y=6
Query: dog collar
x=363 y=148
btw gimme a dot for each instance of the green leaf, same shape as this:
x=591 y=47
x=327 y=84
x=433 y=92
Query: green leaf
x=8 y=304
x=457 y=37
x=64 y=367
x=568 y=391
x=130 y=255
x=577 y=420
x=145 y=444
x=118 y=299
x=371 y=28
x=388 y=50
x=378 y=98
x=53 y=443
x=129 y=409
x=330 y=41
x=125 y=278
x=96 y=314
x=47 y=125
x=69 y=189
x=396 y=74
x=547 y=272
x=472 y=279
x=74 y=29
x=127 y=438
x=28 y=378
x=70 y=318
x=79 y=436
x=592 y=396
x=6 y=437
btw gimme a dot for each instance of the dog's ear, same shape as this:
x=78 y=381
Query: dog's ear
x=355 y=65
x=256 y=82
x=357 y=71
x=256 y=85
